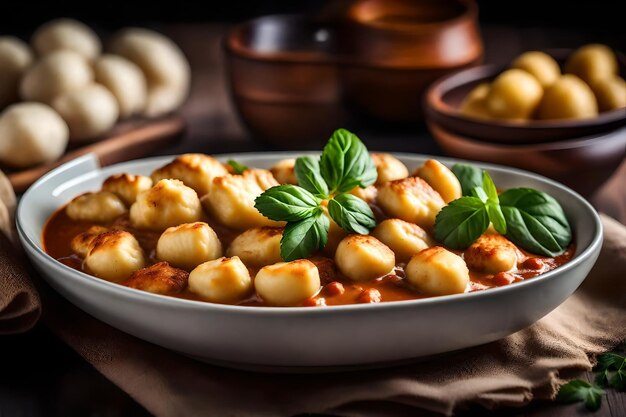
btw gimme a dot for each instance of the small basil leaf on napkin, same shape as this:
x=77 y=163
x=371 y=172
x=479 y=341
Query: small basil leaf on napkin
x=535 y=221
x=469 y=176
x=578 y=390
x=352 y=214
x=307 y=171
x=287 y=203
x=237 y=167
x=461 y=222
x=345 y=163
x=304 y=237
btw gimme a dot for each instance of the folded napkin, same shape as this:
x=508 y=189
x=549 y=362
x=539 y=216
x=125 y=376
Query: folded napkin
x=511 y=372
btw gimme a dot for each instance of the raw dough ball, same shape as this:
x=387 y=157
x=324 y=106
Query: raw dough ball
x=540 y=65
x=388 y=167
x=188 y=245
x=169 y=203
x=98 y=207
x=127 y=186
x=194 y=169
x=55 y=74
x=610 y=93
x=363 y=258
x=163 y=63
x=592 y=63
x=31 y=133
x=438 y=176
x=15 y=58
x=114 y=256
x=258 y=246
x=125 y=80
x=475 y=103
x=67 y=34
x=491 y=253
x=288 y=283
x=284 y=171
x=403 y=238
x=515 y=95
x=159 y=278
x=437 y=271
x=89 y=112
x=568 y=98
x=411 y=200
x=221 y=281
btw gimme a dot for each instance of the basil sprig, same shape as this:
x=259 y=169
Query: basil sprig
x=531 y=219
x=344 y=164
x=238 y=168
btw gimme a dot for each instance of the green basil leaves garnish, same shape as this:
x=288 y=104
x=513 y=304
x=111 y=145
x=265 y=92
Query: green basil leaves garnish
x=302 y=238
x=461 y=222
x=237 y=167
x=309 y=177
x=288 y=203
x=469 y=176
x=352 y=214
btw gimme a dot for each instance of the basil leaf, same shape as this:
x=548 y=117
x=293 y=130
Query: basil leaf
x=535 y=221
x=578 y=390
x=618 y=380
x=345 y=163
x=287 y=203
x=237 y=167
x=610 y=361
x=469 y=176
x=490 y=188
x=461 y=222
x=307 y=171
x=352 y=214
x=302 y=238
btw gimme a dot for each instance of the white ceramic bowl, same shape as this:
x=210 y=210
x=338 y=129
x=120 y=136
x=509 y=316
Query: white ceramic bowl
x=306 y=337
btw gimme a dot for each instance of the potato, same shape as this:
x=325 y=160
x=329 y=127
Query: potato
x=57 y=73
x=363 y=258
x=222 y=280
x=114 y=256
x=514 y=95
x=568 y=98
x=491 y=253
x=126 y=186
x=284 y=171
x=258 y=246
x=540 y=65
x=610 y=93
x=98 y=207
x=168 y=203
x=403 y=238
x=388 y=167
x=159 y=278
x=163 y=63
x=188 y=245
x=438 y=176
x=288 y=283
x=15 y=58
x=89 y=112
x=194 y=169
x=82 y=242
x=125 y=80
x=437 y=271
x=31 y=134
x=592 y=63
x=67 y=34
x=411 y=200
x=475 y=103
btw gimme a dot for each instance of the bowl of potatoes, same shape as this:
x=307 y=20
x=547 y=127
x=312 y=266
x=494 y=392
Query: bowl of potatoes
x=540 y=97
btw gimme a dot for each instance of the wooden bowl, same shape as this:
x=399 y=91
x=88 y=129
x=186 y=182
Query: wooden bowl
x=582 y=163
x=444 y=97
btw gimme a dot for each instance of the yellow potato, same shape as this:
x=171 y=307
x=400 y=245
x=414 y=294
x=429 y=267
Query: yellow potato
x=610 y=93
x=540 y=65
x=592 y=63
x=475 y=103
x=568 y=98
x=514 y=95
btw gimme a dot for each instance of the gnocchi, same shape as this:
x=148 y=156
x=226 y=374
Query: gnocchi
x=221 y=280
x=288 y=283
x=403 y=238
x=388 y=167
x=81 y=243
x=284 y=171
x=168 y=203
x=114 y=255
x=258 y=246
x=491 y=253
x=188 y=245
x=160 y=278
x=363 y=258
x=99 y=207
x=127 y=186
x=194 y=170
x=438 y=176
x=437 y=271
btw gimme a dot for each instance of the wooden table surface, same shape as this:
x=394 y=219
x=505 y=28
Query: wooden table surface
x=46 y=378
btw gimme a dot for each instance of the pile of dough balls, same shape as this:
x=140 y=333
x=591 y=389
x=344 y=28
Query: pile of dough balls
x=71 y=92
x=535 y=88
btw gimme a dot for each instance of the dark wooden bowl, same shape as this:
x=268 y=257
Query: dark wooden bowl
x=445 y=96
x=583 y=163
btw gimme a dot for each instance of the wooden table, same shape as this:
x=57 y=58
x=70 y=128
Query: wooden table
x=46 y=378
